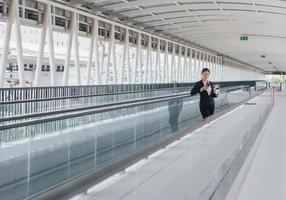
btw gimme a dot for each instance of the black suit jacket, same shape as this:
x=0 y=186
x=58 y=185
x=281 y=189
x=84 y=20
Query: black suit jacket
x=205 y=98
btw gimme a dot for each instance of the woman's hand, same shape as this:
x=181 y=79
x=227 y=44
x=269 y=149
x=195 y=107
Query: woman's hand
x=205 y=87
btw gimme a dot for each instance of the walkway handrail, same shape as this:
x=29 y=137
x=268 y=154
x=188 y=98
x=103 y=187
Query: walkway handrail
x=88 y=110
x=30 y=93
x=35 y=93
x=90 y=95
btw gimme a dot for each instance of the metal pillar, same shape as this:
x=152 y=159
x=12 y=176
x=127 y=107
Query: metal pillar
x=6 y=42
x=76 y=50
x=190 y=71
x=20 y=59
x=197 y=67
x=201 y=62
x=173 y=63
x=166 y=70
x=121 y=76
x=41 y=48
x=50 y=41
x=97 y=64
x=184 y=74
x=114 y=68
x=149 y=60
x=157 y=66
x=68 y=53
x=128 y=58
x=139 y=64
x=179 y=65
x=90 y=53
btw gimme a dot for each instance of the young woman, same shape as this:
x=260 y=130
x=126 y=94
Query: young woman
x=207 y=92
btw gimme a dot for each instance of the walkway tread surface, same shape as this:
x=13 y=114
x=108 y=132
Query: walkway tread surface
x=266 y=177
x=192 y=168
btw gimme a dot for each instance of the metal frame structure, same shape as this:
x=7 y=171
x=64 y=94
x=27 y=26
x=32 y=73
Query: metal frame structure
x=108 y=71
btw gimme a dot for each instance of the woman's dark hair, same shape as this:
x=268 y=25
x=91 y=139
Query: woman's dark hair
x=205 y=70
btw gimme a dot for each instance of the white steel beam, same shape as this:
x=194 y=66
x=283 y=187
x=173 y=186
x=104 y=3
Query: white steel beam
x=41 y=48
x=106 y=78
x=197 y=64
x=6 y=42
x=114 y=68
x=184 y=74
x=128 y=58
x=76 y=49
x=138 y=66
x=68 y=53
x=194 y=65
x=97 y=64
x=90 y=52
x=190 y=71
x=150 y=68
x=126 y=41
x=157 y=66
x=20 y=59
x=201 y=61
x=50 y=41
x=173 y=64
x=179 y=65
x=166 y=71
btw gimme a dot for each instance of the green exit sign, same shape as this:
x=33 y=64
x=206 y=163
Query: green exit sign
x=243 y=37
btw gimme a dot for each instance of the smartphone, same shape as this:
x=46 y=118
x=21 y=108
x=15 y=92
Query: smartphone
x=217 y=88
x=208 y=84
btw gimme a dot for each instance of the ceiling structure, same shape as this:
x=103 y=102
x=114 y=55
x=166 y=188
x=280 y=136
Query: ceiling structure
x=214 y=24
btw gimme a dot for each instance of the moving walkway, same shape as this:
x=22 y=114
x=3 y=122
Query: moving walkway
x=55 y=154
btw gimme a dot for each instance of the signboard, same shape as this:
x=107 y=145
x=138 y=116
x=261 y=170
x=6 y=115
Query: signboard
x=243 y=37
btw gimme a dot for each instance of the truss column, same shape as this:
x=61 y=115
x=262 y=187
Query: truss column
x=114 y=67
x=149 y=63
x=173 y=63
x=121 y=76
x=68 y=53
x=179 y=65
x=184 y=74
x=128 y=58
x=197 y=65
x=90 y=53
x=166 y=71
x=76 y=49
x=41 y=48
x=139 y=64
x=190 y=71
x=97 y=64
x=19 y=48
x=6 y=42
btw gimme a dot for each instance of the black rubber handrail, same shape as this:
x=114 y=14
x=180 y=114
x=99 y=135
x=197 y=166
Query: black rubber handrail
x=88 y=110
x=90 y=95
x=75 y=109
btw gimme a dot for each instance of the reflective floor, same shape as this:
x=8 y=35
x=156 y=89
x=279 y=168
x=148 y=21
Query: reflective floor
x=35 y=158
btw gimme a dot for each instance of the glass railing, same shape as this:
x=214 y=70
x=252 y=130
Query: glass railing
x=37 y=157
x=33 y=93
x=34 y=106
x=64 y=98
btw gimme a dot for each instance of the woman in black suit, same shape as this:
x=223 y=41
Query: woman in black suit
x=207 y=93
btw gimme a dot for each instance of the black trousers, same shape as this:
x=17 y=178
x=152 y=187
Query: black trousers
x=207 y=110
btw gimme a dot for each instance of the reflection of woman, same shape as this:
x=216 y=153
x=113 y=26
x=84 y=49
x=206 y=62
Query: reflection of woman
x=175 y=107
x=207 y=92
